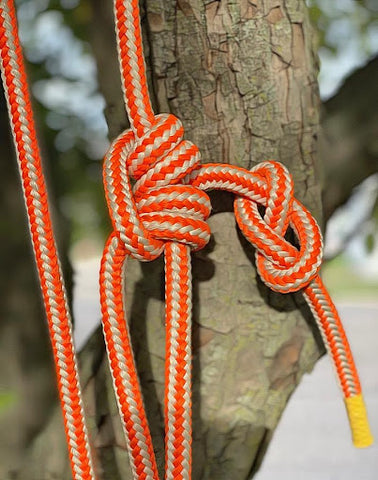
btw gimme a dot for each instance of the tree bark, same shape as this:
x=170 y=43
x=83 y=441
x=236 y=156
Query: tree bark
x=242 y=78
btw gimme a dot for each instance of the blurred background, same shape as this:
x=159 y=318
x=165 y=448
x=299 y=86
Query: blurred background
x=73 y=131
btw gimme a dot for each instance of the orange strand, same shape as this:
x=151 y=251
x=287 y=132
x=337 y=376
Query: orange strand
x=122 y=363
x=46 y=256
x=178 y=404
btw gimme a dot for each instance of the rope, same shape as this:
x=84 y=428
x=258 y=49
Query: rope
x=49 y=271
x=164 y=210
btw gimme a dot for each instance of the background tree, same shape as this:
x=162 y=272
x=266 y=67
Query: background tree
x=242 y=77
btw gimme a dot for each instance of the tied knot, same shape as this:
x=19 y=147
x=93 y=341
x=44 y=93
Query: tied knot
x=160 y=206
x=282 y=267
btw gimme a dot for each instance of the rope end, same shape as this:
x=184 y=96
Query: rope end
x=359 y=422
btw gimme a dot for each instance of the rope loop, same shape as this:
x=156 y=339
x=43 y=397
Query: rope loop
x=281 y=266
x=160 y=206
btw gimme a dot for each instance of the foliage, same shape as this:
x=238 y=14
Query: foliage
x=338 y=21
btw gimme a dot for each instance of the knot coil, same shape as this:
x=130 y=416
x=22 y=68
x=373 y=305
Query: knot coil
x=281 y=266
x=159 y=207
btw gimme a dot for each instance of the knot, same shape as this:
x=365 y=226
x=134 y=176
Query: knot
x=281 y=266
x=160 y=206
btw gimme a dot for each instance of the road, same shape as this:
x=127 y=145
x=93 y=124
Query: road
x=312 y=441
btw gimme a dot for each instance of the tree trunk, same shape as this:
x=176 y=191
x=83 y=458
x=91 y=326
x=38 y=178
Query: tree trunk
x=242 y=78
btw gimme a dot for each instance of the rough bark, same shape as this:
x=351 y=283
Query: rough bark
x=242 y=77
x=349 y=144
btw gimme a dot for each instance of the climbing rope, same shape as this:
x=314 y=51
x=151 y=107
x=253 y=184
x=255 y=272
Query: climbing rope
x=49 y=271
x=163 y=211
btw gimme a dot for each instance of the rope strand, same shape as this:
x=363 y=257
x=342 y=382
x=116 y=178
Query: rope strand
x=49 y=271
x=132 y=65
x=168 y=205
x=122 y=364
x=178 y=405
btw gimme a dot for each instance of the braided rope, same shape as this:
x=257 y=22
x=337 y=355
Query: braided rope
x=285 y=269
x=164 y=211
x=57 y=311
x=178 y=361
x=121 y=360
x=165 y=206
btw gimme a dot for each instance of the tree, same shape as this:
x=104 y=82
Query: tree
x=242 y=77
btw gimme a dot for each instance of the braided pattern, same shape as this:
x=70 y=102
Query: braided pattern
x=178 y=362
x=164 y=207
x=332 y=330
x=131 y=58
x=154 y=185
x=158 y=208
x=265 y=185
x=281 y=266
x=122 y=365
x=57 y=311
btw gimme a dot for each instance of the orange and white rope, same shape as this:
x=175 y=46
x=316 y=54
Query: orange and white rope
x=164 y=210
x=57 y=311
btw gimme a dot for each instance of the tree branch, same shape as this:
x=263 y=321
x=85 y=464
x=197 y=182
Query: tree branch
x=349 y=144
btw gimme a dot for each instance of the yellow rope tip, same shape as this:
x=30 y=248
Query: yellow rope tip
x=359 y=422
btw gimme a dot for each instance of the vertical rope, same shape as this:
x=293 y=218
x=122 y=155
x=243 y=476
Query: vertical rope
x=132 y=65
x=54 y=295
x=178 y=406
x=122 y=364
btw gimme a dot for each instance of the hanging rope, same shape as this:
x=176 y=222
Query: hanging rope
x=50 y=276
x=164 y=212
